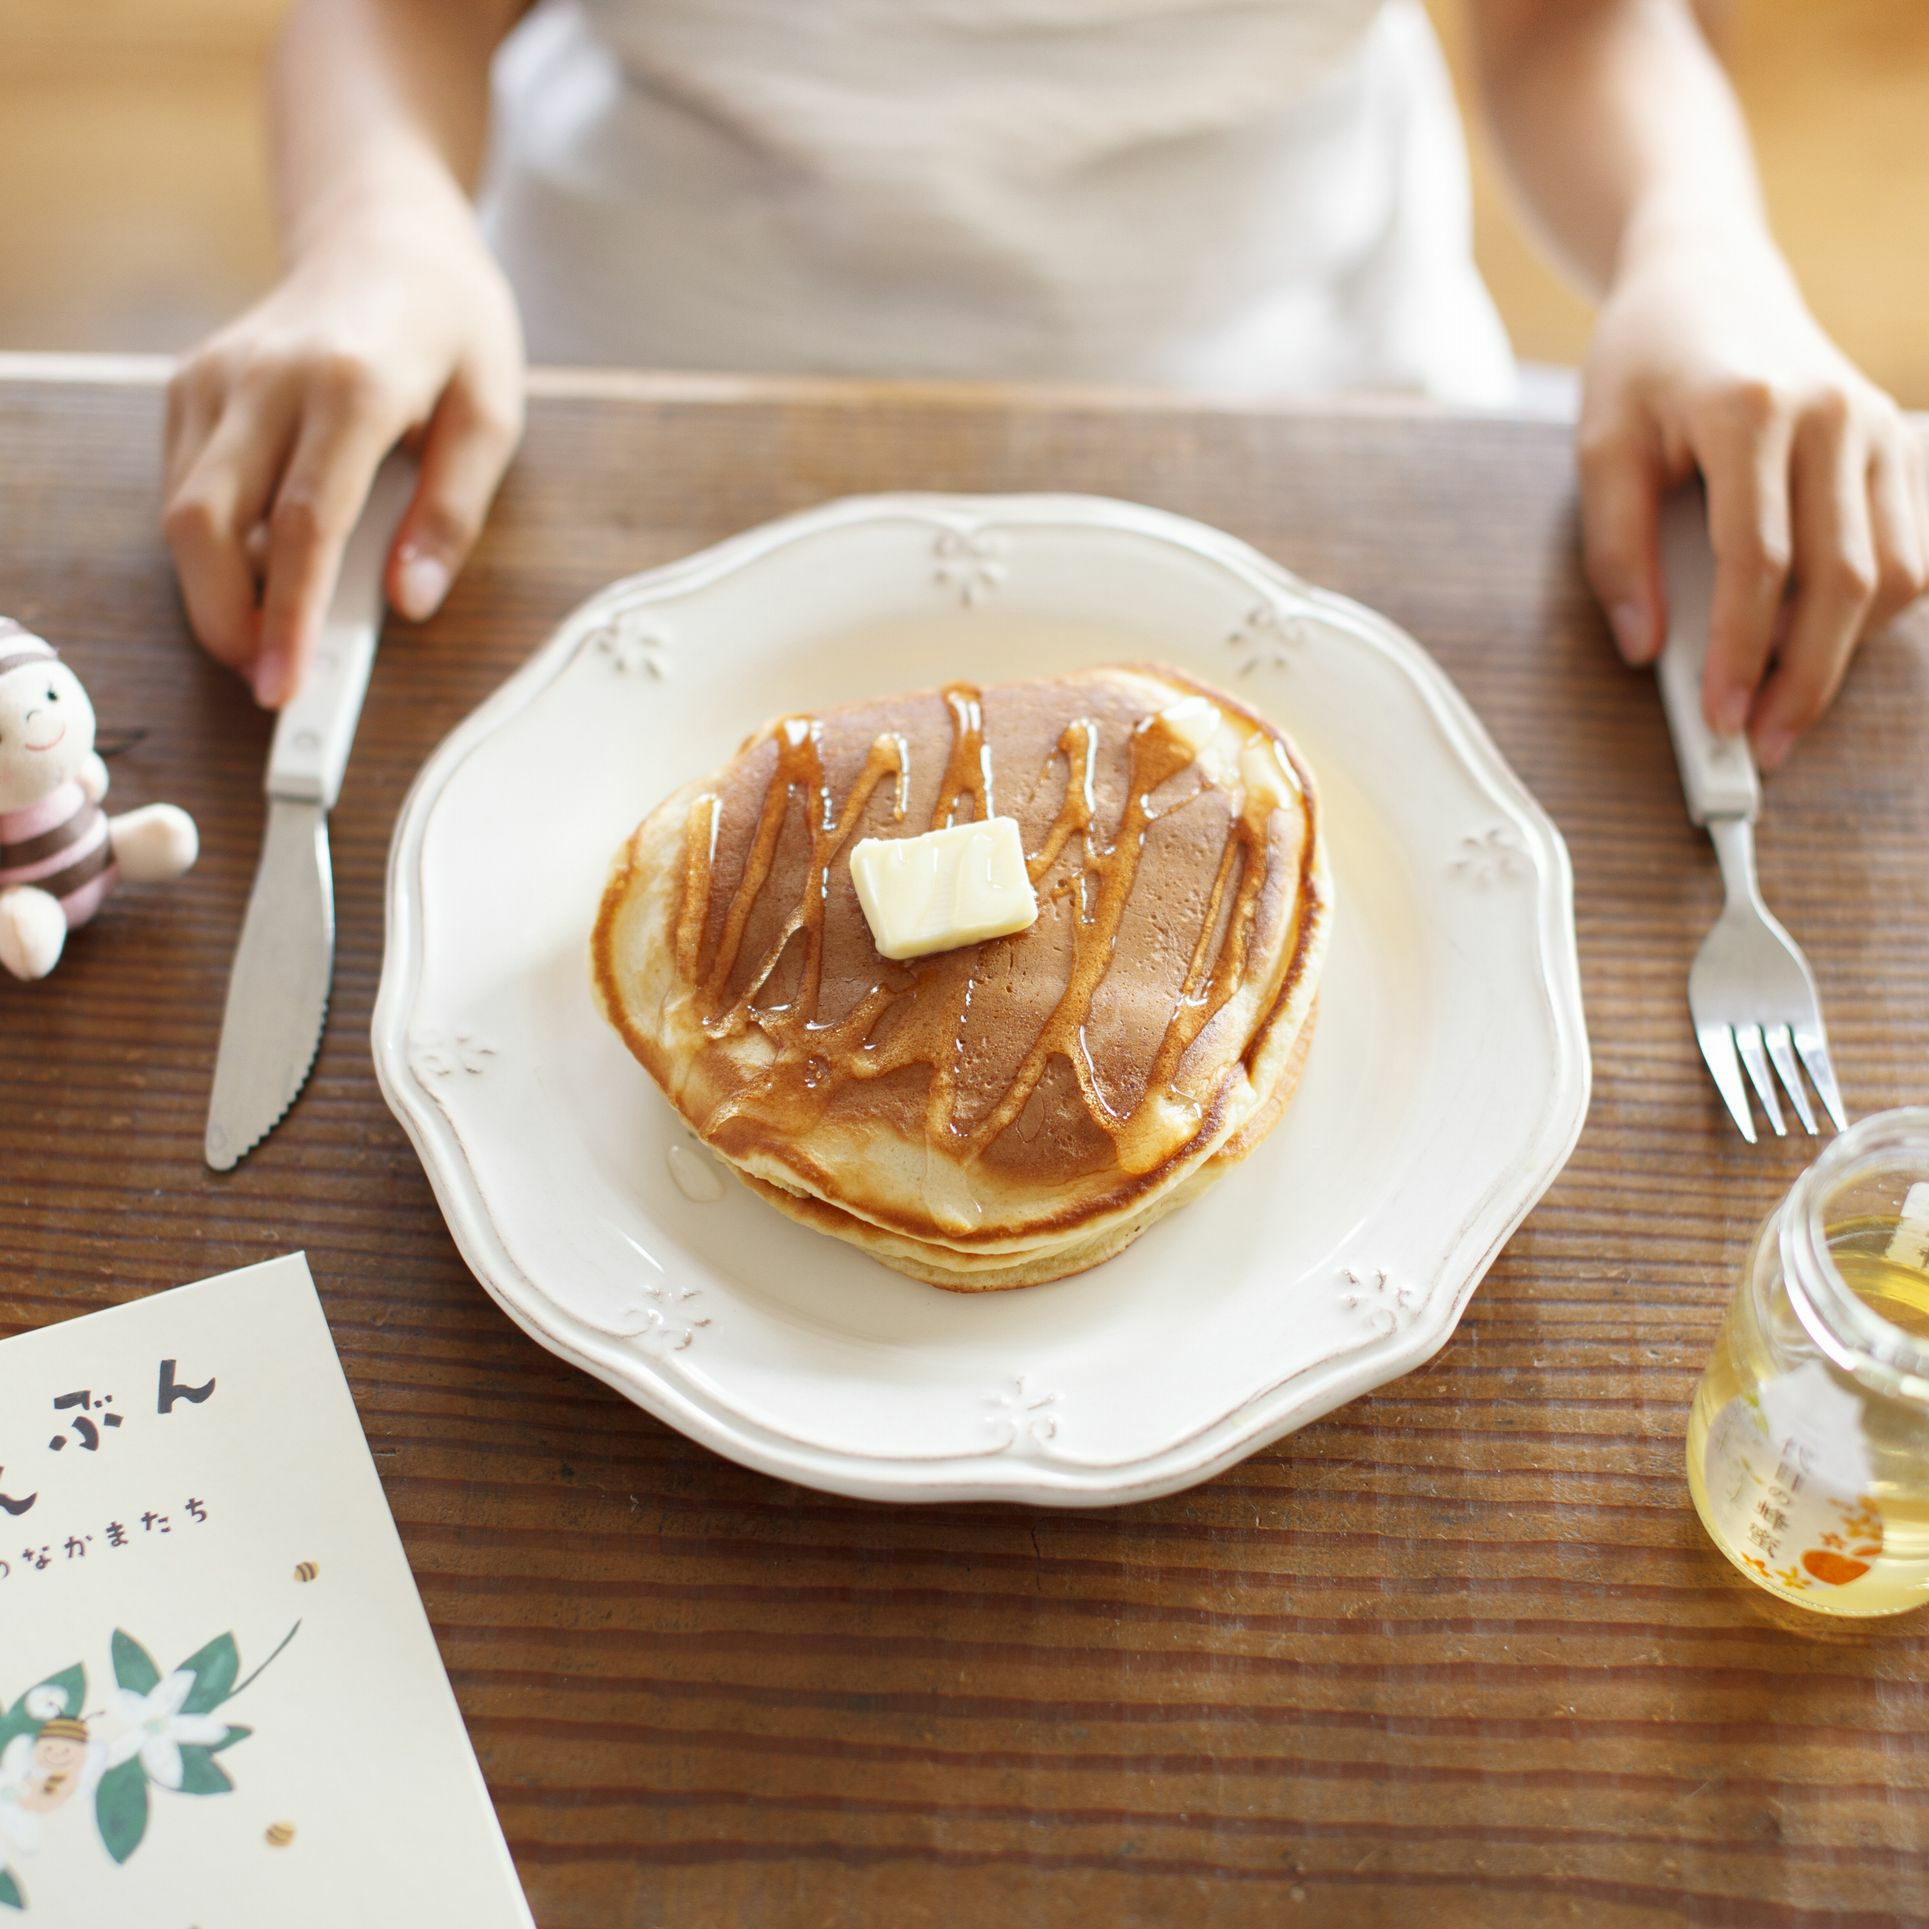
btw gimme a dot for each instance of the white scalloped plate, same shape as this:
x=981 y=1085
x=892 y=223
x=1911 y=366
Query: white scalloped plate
x=1445 y=1089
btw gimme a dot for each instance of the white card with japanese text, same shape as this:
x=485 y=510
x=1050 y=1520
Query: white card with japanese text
x=221 y=1706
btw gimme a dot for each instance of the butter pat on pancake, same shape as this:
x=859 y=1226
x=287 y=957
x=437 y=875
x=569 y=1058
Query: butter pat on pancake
x=1011 y=1110
x=941 y=889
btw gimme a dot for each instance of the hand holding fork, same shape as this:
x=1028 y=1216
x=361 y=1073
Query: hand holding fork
x=1751 y=993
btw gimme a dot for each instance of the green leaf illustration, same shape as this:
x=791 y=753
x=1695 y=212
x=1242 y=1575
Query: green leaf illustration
x=133 y=1666
x=72 y=1686
x=229 y=1739
x=214 y=1669
x=201 y=1774
x=10 y=1896
x=120 y=1807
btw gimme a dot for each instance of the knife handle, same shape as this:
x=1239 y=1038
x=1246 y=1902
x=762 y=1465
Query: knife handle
x=317 y=724
x=1717 y=773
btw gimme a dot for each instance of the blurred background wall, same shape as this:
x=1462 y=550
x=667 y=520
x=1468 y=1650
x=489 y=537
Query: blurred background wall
x=133 y=215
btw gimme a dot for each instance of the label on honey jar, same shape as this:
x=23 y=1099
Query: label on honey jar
x=1787 y=1480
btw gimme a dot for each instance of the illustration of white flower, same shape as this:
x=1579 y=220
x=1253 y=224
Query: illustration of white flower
x=46 y=1701
x=153 y=1727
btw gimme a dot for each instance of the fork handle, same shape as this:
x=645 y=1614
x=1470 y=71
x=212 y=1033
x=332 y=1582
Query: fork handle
x=1717 y=773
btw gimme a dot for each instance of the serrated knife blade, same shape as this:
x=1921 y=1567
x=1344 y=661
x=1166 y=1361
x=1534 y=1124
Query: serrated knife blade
x=278 y=986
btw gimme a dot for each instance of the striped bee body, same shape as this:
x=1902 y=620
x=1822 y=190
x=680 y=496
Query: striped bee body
x=61 y=846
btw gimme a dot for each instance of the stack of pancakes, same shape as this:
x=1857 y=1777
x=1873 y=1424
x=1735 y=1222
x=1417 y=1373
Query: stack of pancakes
x=1010 y=1111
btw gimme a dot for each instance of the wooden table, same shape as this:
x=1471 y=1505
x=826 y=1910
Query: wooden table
x=1458 y=1653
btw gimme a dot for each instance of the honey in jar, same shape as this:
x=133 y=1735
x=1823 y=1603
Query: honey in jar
x=1808 y=1443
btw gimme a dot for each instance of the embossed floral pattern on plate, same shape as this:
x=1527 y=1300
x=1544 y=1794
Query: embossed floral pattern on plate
x=631 y=646
x=1489 y=857
x=969 y=562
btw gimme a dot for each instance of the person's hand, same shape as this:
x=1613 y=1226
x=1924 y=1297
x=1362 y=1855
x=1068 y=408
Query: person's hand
x=380 y=331
x=1705 y=357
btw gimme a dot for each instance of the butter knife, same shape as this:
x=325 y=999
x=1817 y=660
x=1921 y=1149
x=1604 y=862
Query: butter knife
x=278 y=986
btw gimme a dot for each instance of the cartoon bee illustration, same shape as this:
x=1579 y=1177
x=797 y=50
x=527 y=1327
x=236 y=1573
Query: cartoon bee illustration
x=59 y=1755
x=306 y=1570
x=280 y=1834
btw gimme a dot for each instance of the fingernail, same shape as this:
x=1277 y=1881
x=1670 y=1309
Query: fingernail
x=271 y=682
x=1772 y=748
x=1731 y=713
x=1630 y=626
x=421 y=584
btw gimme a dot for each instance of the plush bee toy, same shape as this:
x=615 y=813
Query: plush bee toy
x=60 y=853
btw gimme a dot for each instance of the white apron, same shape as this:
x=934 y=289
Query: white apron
x=1257 y=195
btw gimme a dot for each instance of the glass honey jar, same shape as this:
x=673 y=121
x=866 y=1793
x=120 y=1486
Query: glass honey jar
x=1808 y=1443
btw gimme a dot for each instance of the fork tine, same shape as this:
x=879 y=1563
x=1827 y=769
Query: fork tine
x=1781 y=1048
x=1814 y=1047
x=1718 y=1048
x=1748 y=1041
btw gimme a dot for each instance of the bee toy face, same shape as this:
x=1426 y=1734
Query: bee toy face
x=46 y=729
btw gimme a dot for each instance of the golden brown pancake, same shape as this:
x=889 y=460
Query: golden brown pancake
x=1010 y=1111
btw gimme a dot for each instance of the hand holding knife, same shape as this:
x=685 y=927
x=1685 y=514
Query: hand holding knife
x=278 y=986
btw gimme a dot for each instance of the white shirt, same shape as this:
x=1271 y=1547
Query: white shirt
x=1258 y=195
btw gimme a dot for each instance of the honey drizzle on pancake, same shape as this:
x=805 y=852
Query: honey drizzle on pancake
x=813 y=1060
x=1079 y=747
x=969 y=766
x=800 y=766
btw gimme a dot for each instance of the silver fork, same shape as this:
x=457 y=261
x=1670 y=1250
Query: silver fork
x=1751 y=993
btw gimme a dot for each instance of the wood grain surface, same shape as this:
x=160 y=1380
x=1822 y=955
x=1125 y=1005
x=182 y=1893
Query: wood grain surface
x=1457 y=1653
